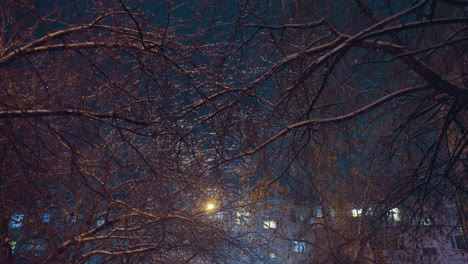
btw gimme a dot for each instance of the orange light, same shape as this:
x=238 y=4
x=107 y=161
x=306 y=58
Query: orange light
x=210 y=206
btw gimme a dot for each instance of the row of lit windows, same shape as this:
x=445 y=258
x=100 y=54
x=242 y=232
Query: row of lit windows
x=243 y=217
x=393 y=214
x=317 y=212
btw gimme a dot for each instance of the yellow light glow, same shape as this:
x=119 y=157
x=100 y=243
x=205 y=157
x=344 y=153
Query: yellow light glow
x=210 y=206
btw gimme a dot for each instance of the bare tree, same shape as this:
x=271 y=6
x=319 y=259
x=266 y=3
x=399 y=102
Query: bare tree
x=373 y=110
x=103 y=156
x=120 y=120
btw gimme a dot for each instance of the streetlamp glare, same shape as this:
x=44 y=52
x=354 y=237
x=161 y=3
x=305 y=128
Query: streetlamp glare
x=210 y=206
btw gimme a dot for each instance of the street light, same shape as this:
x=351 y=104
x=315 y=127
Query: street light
x=210 y=206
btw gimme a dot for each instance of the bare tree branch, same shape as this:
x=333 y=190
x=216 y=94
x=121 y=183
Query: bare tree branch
x=11 y=114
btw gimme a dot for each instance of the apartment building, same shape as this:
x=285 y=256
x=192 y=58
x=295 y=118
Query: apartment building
x=303 y=232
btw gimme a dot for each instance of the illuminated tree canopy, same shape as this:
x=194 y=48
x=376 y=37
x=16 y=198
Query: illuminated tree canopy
x=136 y=131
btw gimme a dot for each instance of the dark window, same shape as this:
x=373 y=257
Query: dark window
x=430 y=251
x=460 y=241
x=302 y=214
x=451 y=212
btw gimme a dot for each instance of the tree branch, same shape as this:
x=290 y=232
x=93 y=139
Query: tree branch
x=419 y=24
x=313 y=122
x=9 y=114
x=313 y=66
x=285 y=26
x=424 y=70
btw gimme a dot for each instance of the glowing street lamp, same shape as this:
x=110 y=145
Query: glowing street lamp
x=210 y=206
x=211 y=209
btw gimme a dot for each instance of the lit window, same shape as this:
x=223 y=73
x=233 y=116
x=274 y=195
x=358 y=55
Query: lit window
x=16 y=220
x=425 y=221
x=46 y=217
x=298 y=246
x=317 y=211
x=356 y=212
x=395 y=214
x=269 y=224
x=100 y=222
x=370 y=211
x=272 y=255
x=333 y=212
x=219 y=215
x=242 y=217
x=13 y=245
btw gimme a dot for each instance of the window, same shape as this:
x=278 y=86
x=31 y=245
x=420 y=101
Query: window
x=451 y=212
x=429 y=251
x=219 y=215
x=302 y=214
x=298 y=246
x=394 y=214
x=72 y=217
x=16 y=220
x=46 y=217
x=269 y=224
x=460 y=242
x=242 y=217
x=272 y=255
x=333 y=212
x=100 y=222
x=356 y=212
x=425 y=221
x=317 y=211
x=13 y=245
